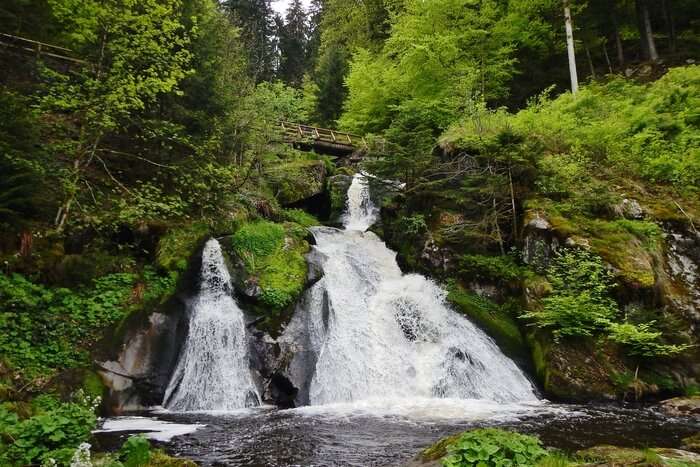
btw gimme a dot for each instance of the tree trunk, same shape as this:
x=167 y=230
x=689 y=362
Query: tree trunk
x=618 y=41
x=590 y=60
x=570 y=47
x=667 y=6
x=646 y=31
x=607 y=57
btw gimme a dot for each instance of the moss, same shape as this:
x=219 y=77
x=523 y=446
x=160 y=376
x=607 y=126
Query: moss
x=295 y=180
x=160 y=458
x=92 y=385
x=439 y=449
x=614 y=455
x=273 y=255
x=692 y=443
x=300 y=217
x=176 y=247
x=496 y=320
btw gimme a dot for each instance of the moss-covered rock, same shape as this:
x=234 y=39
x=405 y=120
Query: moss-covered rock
x=337 y=190
x=620 y=456
x=682 y=406
x=692 y=443
x=297 y=180
x=268 y=266
x=178 y=245
x=576 y=369
x=497 y=320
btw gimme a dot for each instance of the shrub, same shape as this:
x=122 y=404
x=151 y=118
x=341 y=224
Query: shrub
x=135 y=452
x=493 y=447
x=51 y=433
x=42 y=329
x=580 y=304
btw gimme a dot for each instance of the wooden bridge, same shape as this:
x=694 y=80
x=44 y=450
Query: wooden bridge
x=322 y=140
x=38 y=49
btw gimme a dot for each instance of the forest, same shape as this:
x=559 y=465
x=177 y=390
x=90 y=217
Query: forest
x=547 y=182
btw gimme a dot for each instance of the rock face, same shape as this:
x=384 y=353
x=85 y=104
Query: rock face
x=337 y=189
x=138 y=376
x=540 y=243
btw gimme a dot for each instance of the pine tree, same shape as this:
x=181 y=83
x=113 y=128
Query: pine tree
x=293 y=42
x=255 y=19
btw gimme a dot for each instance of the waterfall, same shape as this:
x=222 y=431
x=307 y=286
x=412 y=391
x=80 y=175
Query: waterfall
x=360 y=212
x=377 y=333
x=213 y=371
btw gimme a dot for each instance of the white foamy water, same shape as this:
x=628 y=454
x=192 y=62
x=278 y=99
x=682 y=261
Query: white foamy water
x=152 y=428
x=360 y=212
x=213 y=372
x=377 y=333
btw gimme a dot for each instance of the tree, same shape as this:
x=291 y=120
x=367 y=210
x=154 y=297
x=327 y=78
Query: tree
x=570 y=47
x=330 y=80
x=255 y=19
x=293 y=38
x=138 y=51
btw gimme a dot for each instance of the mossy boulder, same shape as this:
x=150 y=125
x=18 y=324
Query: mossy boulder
x=692 y=443
x=497 y=320
x=268 y=265
x=619 y=456
x=297 y=180
x=177 y=246
x=682 y=406
x=338 y=191
x=576 y=370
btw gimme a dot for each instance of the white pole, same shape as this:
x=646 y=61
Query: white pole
x=570 y=47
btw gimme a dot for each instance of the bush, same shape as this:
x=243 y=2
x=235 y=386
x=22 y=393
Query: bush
x=135 y=452
x=43 y=329
x=53 y=432
x=580 y=304
x=493 y=447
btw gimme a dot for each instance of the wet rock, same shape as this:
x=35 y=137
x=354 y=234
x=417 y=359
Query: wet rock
x=281 y=391
x=435 y=257
x=540 y=243
x=337 y=189
x=682 y=406
x=138 y=376
x=315 y=260
x=629 y=209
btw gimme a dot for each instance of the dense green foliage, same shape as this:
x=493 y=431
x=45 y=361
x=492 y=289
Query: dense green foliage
x=581 y=305
x=274 y=255
x=493 y=448
x=54 y=431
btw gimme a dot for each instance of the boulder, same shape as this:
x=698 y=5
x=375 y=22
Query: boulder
x=338 y=190
x=682 y=406
x=629 y=209
x=540 y=242
x=298 y=180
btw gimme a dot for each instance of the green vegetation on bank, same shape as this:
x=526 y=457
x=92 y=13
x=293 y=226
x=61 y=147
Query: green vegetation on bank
x=493 y=447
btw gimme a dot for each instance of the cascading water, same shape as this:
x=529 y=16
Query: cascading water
x=213 y=371
x=376 y=333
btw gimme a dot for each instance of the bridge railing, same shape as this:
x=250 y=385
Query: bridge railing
x=38 y=49
x=299 y=131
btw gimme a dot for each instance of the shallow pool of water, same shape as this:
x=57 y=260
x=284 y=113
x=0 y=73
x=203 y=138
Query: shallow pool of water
x=375 y=433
